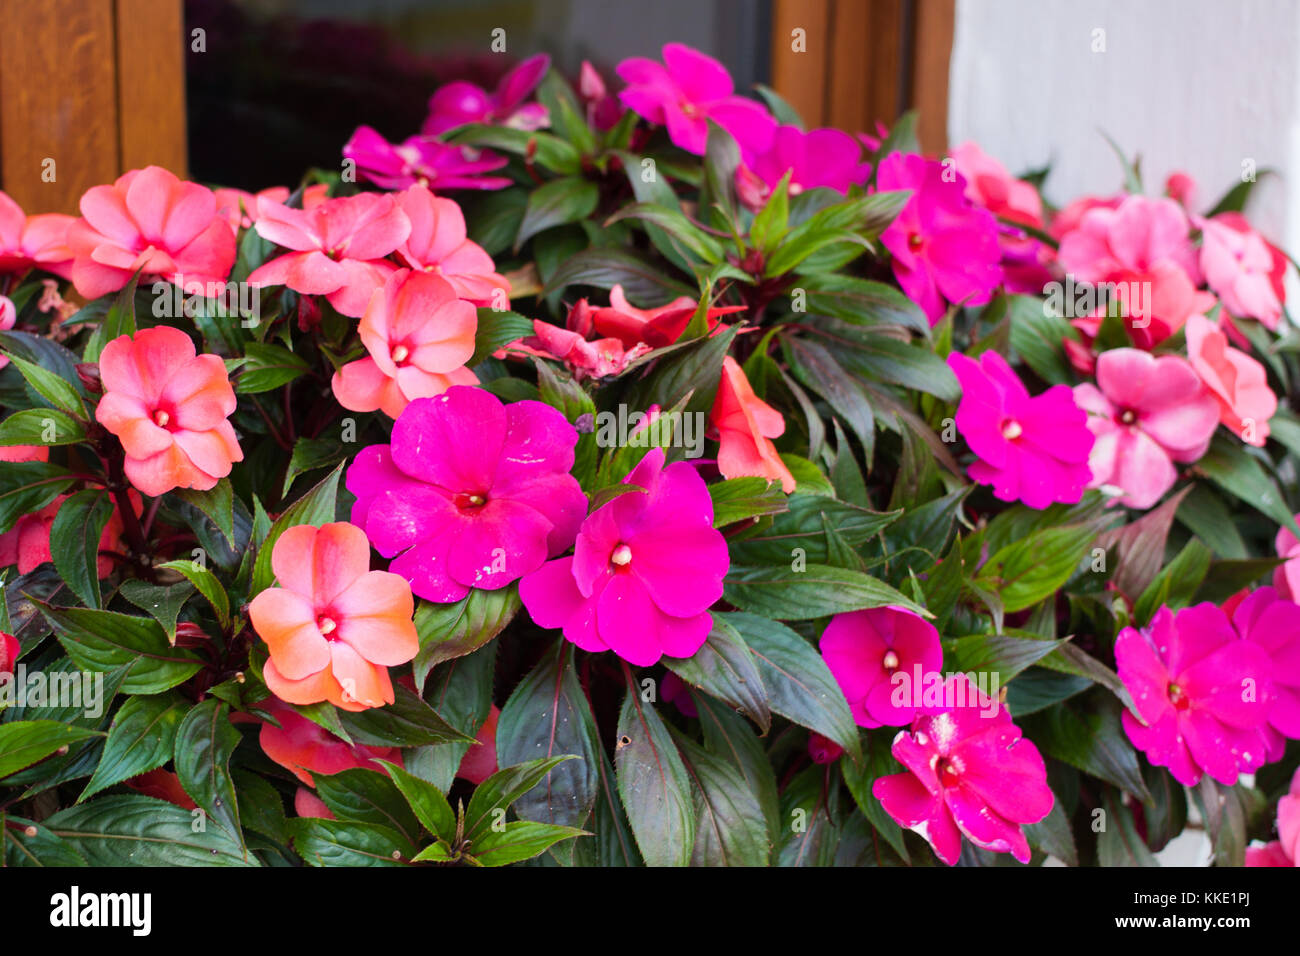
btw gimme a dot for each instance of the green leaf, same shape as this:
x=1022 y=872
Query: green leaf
x=520 y=840
x=28 y=843
x=23 y=742
x=217 y=503
x=496 y=793
x=448 y=631
x=1176 y=584
x=119 y=320
x=162 y=603
x=654 y=786
x=738 y=499
x=816 y=590
x=345 y=843
x=142 y=831
x=802 y=527
x=550 y=152
x=496 y=330
x=773 y=220
x=1093 y=742
x=731 y=829
x=204 y=743
x=316 y=507
x=311 y=454
x=1119 y=843
x=208 y=586
x=58 y=392
x=559 y=201
x=268 y=367
x=799 y=684
x=643 y=283
x=731 y=738
x=821 y=371
x=675 y=225
x=427 y=801
x=28 y=486
x=1026 y=571
x=1036 y=336
x=41 y=426
x=862 y=302
x=140 y=739
x=106 y=640
x=725 y=668
x=407 y=722
x=880 y=357
x=878 y=762
x=74 y=541
x=367 y=796
x=1004 y=655
x=1237 y=472
x=689 y=375
x=1053 y=835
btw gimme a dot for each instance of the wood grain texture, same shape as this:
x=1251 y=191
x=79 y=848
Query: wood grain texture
x=151 y=44
x=932 y=59
x=802 y=78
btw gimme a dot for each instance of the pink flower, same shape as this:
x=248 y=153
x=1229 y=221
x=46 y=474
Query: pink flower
x=1285 y=850
x=823 y=750
x=988 y=184
x=239 y=208
x=686 y=91
x=1182 y=189
x=438 y=244
x=645 y=570
x=337 y=248
x=1067 y=219
x=9 y=651
x=574 y=345
x=657 y=327
x=1238 y=383
x=1143 y=247
x=419 y=335
x=943 y=245
x=1030 y=449
x=826 y=158
x=27 y=241
x=967 y=774
x=471 y=493
x=1148 y=413
x=459 y=103
x=677 y=692
x=1201 y=693
x=1286 y=576
x=423 y=160
x=1273 y=623
x=603 y=108
x=1243 y=268
x=8 y=319
x=866 y=649
x=149 y=221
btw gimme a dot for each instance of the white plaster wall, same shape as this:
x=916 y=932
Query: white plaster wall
x=1196 y=85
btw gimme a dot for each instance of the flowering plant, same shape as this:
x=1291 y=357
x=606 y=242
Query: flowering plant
x=615 y=475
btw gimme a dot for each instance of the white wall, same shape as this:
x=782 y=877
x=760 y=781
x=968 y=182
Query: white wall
x=1196 y=85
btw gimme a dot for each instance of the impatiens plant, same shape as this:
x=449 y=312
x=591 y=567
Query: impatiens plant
x=629 y=474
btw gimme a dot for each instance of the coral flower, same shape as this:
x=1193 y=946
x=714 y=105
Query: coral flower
x=1273 y=623
x=967 y=774
x=480 y=761
x=304 y=747
x=419 y=335
x=944 y=247
x=1238 y=383
x=337 y=247
x=438 y=245
x=1030 y=449
x=27 y=241
x=162 y=785
x=1202 y=694
x=333 y=627
x=645 y=570
x=471 y=493
x=745 y=426
x=575 y=346
x=686 y=91
x=27 y=544
x=866 y=649
x=1147 y=413
x=151 y=222
x=820 y=158
x=1243 y=268
x=461 y=102
x=423 y=160
x=1285 y=850
x=169 y=408
x=657 y=327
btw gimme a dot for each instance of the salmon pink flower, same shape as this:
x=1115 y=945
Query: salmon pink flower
x=333 y=627
x=988 y=184
x=1182 y=189
x=461 y=102
x=819 y=158
x=424 y=161
x=1243 y=268
x=686 y=91
x=169 y=408
x=471 y=493
x=1273 y=623
x=239 y=208
x=1286 y=576
x=27 y=241
x=1033 y=450
x=967 y=774
x=1238 y=383
x=303 y=747
x=151 y=222
x=337 y=248
x=1147 y=413
x=658 y=327
x=419 y=335
x=307 y=804
x=438 y=245
x=944 y=247
x=645 y=570
x=745 y=426
x=24 y=452
x=1285 y=850
x=480 y=761
x=866 y=649
x=27 y=544
x=1202 y=694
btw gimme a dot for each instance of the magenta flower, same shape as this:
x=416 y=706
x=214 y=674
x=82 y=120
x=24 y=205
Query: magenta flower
x=686 y=91
x=944 y=247
x=337 y=248
x=866 y=649
x=1273 y=623
x=968 y=774
x=1030 y=449
x=826 y=158
x=423 y=160
x=1202 y=694
x=471 y=493
x=645 y=569
x=1148 y=413
x=459 y=103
